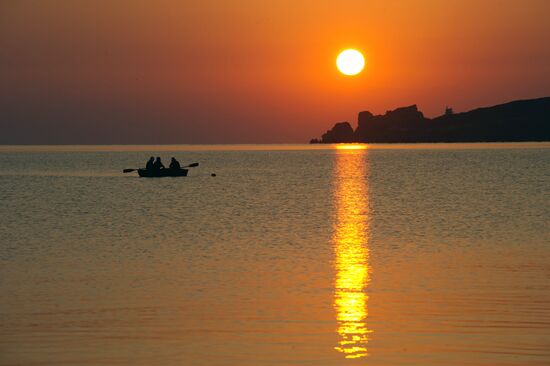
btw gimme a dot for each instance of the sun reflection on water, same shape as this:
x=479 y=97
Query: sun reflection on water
x=351 y=252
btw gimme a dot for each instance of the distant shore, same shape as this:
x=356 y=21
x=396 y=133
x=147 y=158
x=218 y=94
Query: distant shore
x=517 y=121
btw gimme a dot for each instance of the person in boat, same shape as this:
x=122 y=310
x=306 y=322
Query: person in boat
x=157 y=165
x=150 y=163
x=174 y=164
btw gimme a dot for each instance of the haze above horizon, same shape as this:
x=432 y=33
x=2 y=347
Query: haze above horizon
x=94 y=72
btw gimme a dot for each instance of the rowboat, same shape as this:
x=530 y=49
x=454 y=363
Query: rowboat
x=162 y=173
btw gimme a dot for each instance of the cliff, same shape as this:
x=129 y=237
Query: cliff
x=341 y=132
x=523 y=120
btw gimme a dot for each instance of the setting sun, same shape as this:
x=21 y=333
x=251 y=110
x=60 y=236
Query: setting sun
x=350 y=62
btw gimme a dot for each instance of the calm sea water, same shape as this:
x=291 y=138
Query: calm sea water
x=390 y=255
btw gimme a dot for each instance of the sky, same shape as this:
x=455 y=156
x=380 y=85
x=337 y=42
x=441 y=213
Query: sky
x=249 y=71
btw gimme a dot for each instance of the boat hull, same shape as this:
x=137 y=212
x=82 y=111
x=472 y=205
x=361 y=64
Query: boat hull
x=162 y=173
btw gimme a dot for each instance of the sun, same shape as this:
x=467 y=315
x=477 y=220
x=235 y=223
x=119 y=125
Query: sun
x=350 y=62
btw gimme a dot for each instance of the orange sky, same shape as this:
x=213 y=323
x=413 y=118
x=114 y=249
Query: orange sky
x=254 y=71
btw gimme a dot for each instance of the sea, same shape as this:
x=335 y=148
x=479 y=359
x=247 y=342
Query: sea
x=418 y=254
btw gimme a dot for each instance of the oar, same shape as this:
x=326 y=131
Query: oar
x=183 y=167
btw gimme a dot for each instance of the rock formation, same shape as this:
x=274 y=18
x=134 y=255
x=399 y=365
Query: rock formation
x=341 y=132
x=523 y=120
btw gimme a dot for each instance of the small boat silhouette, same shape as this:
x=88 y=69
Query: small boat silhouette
x=162 y=173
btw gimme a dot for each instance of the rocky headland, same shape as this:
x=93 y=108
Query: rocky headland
x=521 y=120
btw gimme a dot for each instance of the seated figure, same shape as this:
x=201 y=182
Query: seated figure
x=150 y=163
x=157 y=165
x=174 y=164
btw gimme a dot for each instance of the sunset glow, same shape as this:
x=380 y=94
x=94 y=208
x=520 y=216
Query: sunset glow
x=119 y=73
x=351 y=146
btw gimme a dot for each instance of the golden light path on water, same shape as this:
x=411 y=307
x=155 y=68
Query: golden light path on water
x=351 y=250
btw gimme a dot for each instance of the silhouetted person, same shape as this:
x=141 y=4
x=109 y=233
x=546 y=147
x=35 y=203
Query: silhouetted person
x=174 y=164
x=150 y=163
x=157 y=165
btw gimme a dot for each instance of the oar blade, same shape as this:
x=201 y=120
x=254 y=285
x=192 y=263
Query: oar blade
x=128 y=170
x=193 y=165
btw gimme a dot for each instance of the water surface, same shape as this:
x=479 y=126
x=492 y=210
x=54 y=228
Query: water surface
x=434 y=254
